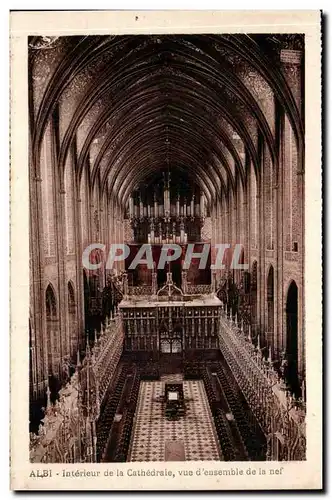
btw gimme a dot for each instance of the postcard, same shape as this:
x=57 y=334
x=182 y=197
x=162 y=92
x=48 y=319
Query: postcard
x=166 y=264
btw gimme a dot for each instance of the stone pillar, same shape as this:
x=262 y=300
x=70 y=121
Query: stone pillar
x=37 y=295
x=279 y=286
x=261 y=249
x=59 y=204
x=301 y=284
x=77 y=202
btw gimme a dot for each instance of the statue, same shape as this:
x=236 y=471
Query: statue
x=283 y=364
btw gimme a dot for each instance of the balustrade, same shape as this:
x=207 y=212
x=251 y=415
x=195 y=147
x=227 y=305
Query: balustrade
x=198 y=289
x=141 y=290
x=148 y=290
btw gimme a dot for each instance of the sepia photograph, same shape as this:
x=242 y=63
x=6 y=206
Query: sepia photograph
x=167 y=245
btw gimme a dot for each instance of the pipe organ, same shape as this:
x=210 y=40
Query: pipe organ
x=165 y=215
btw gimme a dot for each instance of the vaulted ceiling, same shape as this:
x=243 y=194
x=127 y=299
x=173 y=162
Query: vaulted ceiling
x=132 y=105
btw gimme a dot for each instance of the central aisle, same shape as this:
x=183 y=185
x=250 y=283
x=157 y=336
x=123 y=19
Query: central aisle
x=154 y=438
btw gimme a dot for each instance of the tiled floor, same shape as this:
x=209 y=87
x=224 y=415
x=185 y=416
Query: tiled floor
x=151 y=430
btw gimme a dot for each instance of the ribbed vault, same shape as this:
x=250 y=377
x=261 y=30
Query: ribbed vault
x=134 y=105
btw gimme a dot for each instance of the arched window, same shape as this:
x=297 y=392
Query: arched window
x=292 y=337
x=53 y=337
x=71 y=298
x=51 y=309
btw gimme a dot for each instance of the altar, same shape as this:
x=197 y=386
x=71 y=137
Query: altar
x=174 y=399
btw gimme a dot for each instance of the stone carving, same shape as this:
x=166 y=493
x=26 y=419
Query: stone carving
x=66 y=433
x=281 y=415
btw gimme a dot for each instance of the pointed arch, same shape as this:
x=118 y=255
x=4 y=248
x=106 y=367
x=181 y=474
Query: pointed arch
x=53 y=333
x=71 y=295
x=51 y=303
x=292 y=337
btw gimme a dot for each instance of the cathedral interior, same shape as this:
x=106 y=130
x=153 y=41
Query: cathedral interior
x=154 y=140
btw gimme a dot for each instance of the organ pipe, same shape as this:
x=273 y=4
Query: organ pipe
x=192 y=207
x=155 y=206
x=141 y=213
x=131 y=207
x=202 y=205
x=178 y=206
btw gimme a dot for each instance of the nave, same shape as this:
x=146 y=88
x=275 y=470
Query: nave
x=159 y=144
x=217 y=423
x=158 y=438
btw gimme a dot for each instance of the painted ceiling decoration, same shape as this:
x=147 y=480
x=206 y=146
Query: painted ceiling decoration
x=139 y=104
